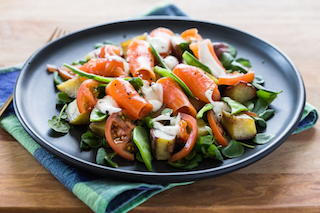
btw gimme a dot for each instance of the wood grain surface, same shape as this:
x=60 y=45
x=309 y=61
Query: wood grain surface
x=287 y=180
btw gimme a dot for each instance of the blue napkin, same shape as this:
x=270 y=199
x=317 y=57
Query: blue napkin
x=100 y=194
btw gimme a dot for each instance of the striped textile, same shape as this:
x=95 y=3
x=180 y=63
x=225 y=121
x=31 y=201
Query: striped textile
x=100 y=194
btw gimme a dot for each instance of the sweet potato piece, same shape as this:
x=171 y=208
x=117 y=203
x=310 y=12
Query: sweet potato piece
x=241 y=92
x=239 y=127
x=162 y=145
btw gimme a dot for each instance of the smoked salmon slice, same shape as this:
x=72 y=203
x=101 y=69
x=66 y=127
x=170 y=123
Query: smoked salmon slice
x=174 y=97
x=197 y=81
x=141 y=60
x=104 y=67
x=128 y=98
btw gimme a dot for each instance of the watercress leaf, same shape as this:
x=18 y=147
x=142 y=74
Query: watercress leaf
x=218 y=153
x=100 y=157
x=205 y=108
x=267 y=96
x=249 y=105
x=236 y=107
x=226 y=60
x=260 y=121
x=193 y=163
x=92 y=140
x=244 y=62
x=103 y=158
x=260 y=106
x=97 y=115
x=205 y=141
x=266 y=114
x=137 y=83
x=166 y=110
x=191 y=155
x=64 y=116
x=109 y=161
x=263 y=138
x=236 y=66
x=64 y=97
x=233 y=150
x=232 y=50
x=57 y=78
x=84 y=146
x=213 y=152
x=59 y=125
x=258 y=80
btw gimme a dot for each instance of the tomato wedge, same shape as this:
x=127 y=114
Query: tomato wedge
x=216 y=128
x=192 y=124
x=118 y=134
x=87 y=96
x=235 y=77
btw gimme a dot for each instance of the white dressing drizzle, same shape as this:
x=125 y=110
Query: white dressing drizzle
x=171 y=61
x=108 y=105
x=218 y=106
x=160 y=134
x=173 y=129
x=153 y=94
x=206 y=58
x=93 y=54
x=160 y=44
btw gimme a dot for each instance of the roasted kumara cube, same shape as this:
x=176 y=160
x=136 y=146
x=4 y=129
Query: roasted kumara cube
x=162 y=144
x=241 y=92
x=239 y=127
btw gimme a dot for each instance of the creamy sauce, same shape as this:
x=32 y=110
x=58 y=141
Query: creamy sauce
x=206 y=58
x=153 y=94
x=173 y=129
x=108 y=105
x=160 y=134
x=93 y=54
x=218 y=106
x=160 y=44
x=171 y=61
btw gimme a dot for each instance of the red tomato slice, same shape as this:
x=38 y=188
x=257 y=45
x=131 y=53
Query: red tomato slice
x=192 y=124
x=216 y=128
x=118 y=134
x=87 y=96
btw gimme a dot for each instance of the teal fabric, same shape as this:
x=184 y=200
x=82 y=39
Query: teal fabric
x=100 y=194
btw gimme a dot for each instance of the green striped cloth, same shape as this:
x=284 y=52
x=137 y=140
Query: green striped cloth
x=100 y=194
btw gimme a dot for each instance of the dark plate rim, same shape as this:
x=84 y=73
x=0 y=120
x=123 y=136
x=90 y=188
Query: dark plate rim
x=175 y=176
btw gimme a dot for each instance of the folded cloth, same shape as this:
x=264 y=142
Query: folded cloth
x=100 y=194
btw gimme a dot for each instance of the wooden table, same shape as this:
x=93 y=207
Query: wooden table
x=286 y=180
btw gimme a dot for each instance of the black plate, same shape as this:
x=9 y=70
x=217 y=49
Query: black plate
x=35 y=94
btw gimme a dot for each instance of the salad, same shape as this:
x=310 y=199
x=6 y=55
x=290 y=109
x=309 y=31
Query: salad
x=163 y=96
